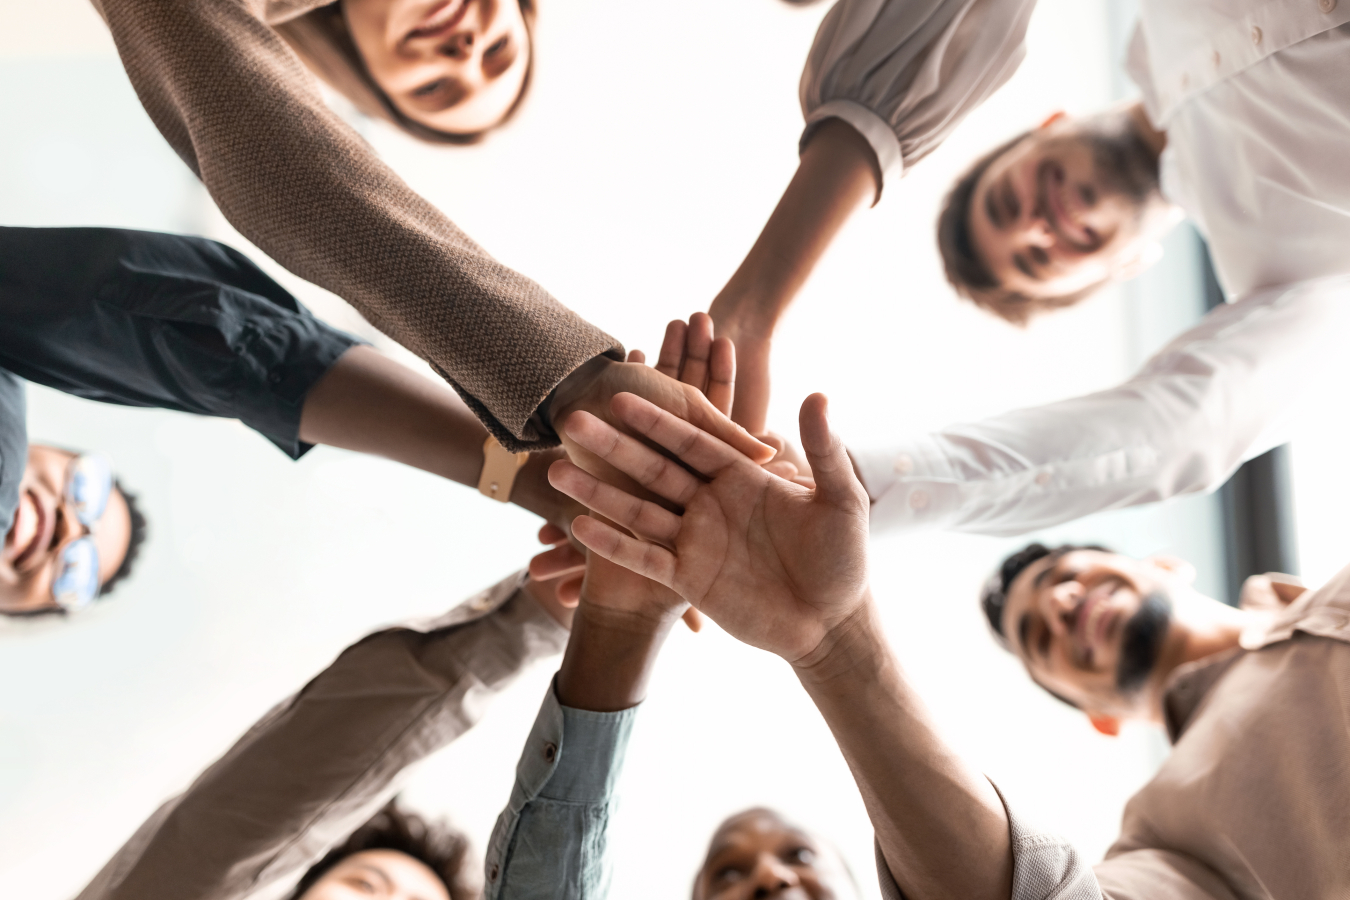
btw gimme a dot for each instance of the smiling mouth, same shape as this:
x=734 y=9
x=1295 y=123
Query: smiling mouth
x=445 y=17
x=1050 y=199
x=42 y=533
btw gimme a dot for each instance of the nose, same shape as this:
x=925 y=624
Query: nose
x=771 y=877
x=1065 y=599
x=459 y=45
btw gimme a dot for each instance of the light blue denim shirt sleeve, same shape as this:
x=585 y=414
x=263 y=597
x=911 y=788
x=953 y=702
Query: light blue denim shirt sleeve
x=550 y=841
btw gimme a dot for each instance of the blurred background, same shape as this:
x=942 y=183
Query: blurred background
x=656 y=142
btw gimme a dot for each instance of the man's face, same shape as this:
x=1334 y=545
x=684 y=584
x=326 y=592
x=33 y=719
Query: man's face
x=1072 y=205
x=1095 y=628
x=44 y=524
x=378 y=874
x=757 y=854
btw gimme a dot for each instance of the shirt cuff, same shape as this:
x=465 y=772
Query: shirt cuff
x=910 y=486
x=574 y=755
x=874 y=129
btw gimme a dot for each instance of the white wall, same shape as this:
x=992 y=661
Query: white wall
x=655 y=145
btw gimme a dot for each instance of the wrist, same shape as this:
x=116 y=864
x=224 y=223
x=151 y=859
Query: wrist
x=852 y=649
x=745 y=311
x=572 y=388
x=532 y=491
x=609 y=658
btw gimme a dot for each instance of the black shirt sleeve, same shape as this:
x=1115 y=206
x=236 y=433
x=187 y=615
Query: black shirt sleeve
x=157 y=320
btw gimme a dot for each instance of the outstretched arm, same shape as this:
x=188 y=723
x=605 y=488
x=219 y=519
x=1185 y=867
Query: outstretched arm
x=837 y=176
x=369 y=403
x=1220 y=393
x=783 y=568
x=321 y=763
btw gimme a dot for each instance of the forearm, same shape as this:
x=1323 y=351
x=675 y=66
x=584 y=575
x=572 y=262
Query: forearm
x=609 y=658
x=368 y=403
x=238 y=106
x=837 y=176
x=321 y=763
x=1220 y=393
x=940 y=825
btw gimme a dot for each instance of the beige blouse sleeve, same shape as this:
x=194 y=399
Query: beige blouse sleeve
x=237 y=105
x=322 y=763
x=904 y=73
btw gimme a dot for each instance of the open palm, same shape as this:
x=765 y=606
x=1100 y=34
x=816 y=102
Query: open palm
x=776 y=564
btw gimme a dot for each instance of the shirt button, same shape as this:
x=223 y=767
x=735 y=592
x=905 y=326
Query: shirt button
x=918 y=500
x=1256 y=34
x=494 y=872
x=481 y=603
x=1326 y=5
x=550 y=751
x=904 y=464
x=1042 y=478
x=1217 y=59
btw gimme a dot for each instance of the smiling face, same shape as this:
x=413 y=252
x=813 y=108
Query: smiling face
x=378 y=874
x=1071 y=206
x=44 y=525
x=454 y=66
x=1096 y=628
x=756 y=854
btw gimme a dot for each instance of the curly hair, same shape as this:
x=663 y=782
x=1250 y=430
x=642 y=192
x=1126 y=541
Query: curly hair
x=436 y=845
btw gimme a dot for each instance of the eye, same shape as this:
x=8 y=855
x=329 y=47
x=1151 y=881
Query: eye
x=429 y=88
x=1038 y=255
x=497 y=47
x=1043 y=642
x=800 y=856
x=729 y=873
x=1089 y=194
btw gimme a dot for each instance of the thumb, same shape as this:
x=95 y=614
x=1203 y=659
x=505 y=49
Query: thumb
x=836 y=482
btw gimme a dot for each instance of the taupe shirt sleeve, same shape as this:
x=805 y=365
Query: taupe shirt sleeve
x=1045 y=866
x=237 y=105
x=323 y=762
x=904 y=73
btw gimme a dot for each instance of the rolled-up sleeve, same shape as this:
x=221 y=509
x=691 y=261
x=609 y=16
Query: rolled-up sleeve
x=551 y=840
x=13 y=446
x=323 y=762
x=904 y=73
x=1219 y=394
x=160 y=320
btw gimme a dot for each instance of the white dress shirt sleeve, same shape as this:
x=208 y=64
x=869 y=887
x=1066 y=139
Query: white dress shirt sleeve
x=904 y=73
x=1219 y=394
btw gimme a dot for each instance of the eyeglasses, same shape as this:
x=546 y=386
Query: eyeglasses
x=89 y=484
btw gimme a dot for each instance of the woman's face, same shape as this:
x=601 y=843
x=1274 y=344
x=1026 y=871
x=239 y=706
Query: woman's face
x=451 y=65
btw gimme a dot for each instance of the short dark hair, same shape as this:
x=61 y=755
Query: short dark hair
x=994 y=595
x=436 y=845
x=139 y=530
x=966 y=271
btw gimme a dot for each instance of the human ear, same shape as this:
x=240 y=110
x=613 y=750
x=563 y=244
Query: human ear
x=1175 y=566
x=1107 y=725
x=1053 y=118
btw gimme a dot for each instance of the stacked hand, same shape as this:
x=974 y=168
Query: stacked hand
x=691 y=357
x=777 y=564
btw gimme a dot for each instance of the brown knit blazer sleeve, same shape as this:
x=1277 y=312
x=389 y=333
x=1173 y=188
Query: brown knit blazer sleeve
x=241 y=110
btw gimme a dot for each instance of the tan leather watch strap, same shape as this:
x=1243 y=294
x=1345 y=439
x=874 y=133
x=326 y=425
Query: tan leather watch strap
x=499 y=470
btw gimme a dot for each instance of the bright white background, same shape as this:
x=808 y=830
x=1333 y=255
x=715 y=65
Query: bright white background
x=655 y=144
